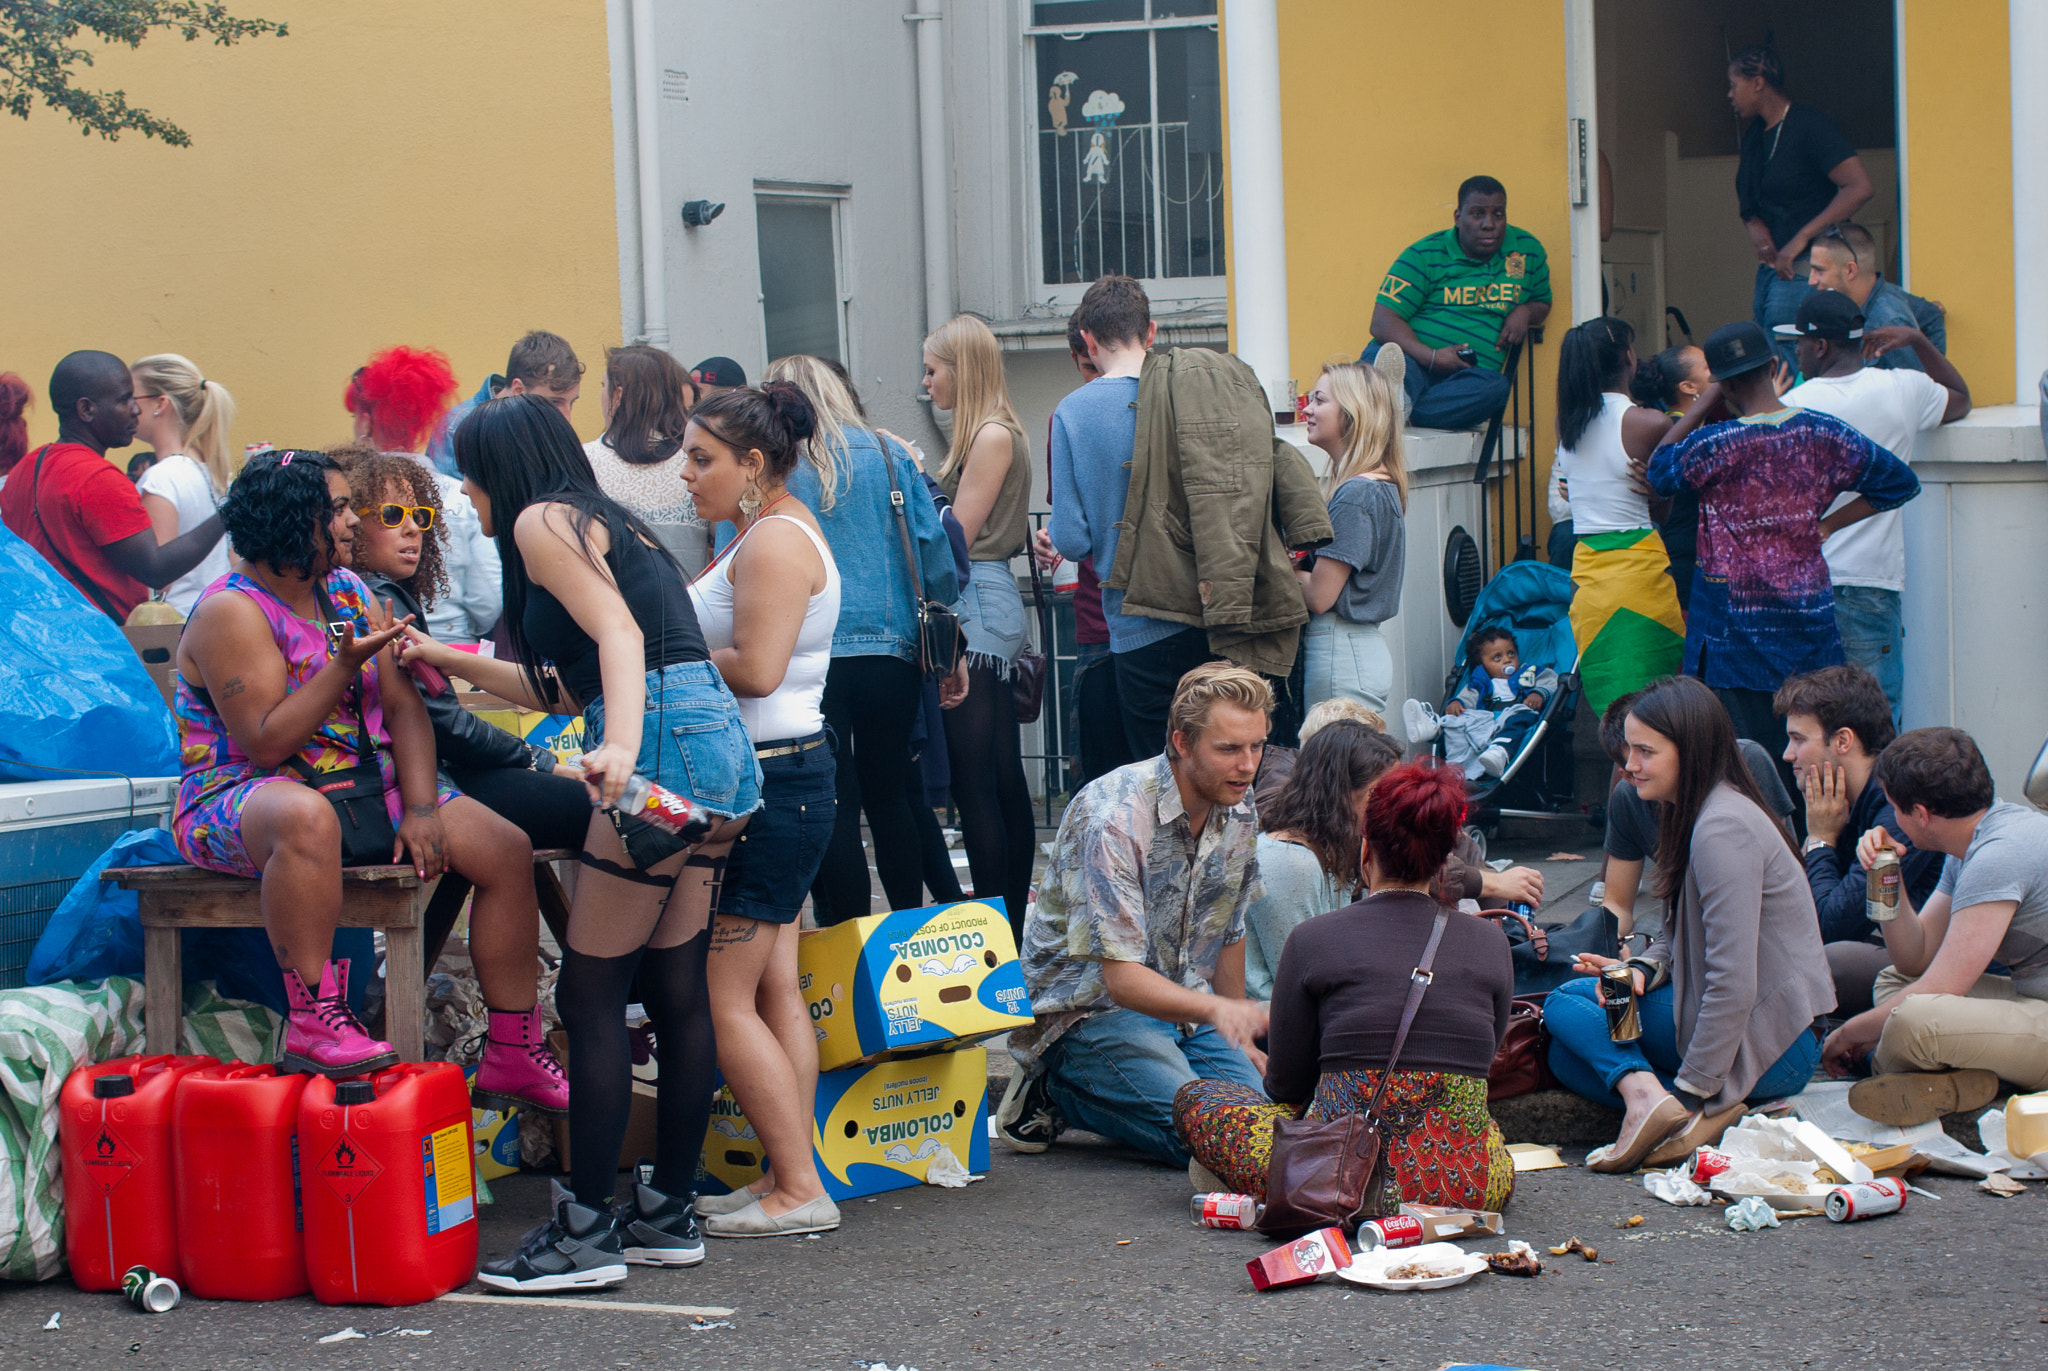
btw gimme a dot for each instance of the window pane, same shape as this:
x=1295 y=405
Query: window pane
x=1181 y=9
x=799 y=278
x=1191 y=151
x=1095 y=156
x=1087 y=11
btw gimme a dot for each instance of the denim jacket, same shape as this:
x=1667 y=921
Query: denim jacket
x=877 y=614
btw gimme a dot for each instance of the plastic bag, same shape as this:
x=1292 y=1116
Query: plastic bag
x=73 y=694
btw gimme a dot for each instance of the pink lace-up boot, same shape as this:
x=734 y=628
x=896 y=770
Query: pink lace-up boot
x=321 y=1036
x=518 y=1071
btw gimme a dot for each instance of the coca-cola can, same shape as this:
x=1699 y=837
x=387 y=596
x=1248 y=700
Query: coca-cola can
x=1848 y=1203
x=1399 y=1230
x=1708 y=1163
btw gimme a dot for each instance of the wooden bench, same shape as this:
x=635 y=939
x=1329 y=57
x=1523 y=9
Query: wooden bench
x=391 y=898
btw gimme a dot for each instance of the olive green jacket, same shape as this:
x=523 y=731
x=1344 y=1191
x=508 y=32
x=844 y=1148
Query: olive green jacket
x=1216 y=502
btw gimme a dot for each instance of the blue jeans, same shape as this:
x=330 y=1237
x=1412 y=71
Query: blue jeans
x=1874 y=636
x=1587 y=1062
x=1467 y=398
x=1116 y=1073
x=1777 y=302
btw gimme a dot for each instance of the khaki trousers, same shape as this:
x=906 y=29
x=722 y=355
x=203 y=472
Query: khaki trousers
x=1993 y=1027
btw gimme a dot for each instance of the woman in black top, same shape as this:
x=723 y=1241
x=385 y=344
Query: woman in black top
x=1796 y=176
x=599 y=613
x=1338 y=998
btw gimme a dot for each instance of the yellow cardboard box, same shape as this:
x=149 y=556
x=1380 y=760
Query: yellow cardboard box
x=917 y=980
x=495 y=1133
x=561 y=734
x=877 y=1127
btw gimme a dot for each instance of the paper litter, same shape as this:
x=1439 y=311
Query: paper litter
x=1826 y=1103
x=343 y=1336
x=706 y=1325
x=1991 y=1129
x=1534 y=1157
x=945 y=1169
x=1751 y=1215
x=1675 y=1187
x=2001 y=1185
x=53 y=1322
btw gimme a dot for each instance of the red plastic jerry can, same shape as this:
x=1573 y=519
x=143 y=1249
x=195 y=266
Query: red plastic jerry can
x=114 y=1139
x=389 y=1192
x=235 y=1153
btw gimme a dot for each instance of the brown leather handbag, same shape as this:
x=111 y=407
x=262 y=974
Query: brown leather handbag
x=1331 y=1172
x=1027 y=675
x=1522 y=1064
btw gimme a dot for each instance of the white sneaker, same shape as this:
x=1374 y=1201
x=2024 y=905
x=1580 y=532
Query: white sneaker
x=1419 y=719
x=1392 y=363
x=1494 y=760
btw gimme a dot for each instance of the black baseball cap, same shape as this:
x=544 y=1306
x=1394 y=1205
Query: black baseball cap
x=1733 y=349
x=718 y=371
x=1825 y=314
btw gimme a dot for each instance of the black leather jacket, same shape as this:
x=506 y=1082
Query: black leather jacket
x=462 y=740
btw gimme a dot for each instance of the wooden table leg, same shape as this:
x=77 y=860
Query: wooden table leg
x=163 y=990
x=405 y=986
x=554 y=901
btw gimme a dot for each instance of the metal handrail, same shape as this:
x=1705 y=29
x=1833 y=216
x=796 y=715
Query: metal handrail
x=1521 y=438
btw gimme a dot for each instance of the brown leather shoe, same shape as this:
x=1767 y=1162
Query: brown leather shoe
x=1705 y=1130
x=1627 y=1153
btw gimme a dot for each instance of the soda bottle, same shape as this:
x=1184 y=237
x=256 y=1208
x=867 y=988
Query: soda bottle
x=1219 y=1209
x=663 y=808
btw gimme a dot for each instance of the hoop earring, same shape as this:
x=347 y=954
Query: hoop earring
x=750 y=502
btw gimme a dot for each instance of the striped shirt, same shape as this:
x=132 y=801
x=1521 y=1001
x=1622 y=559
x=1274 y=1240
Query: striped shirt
x=1452 y=301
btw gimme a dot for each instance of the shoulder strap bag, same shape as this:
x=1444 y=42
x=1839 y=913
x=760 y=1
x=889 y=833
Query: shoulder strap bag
x=356 y=792
x=1027 y=678
x=1332 y=1172
x=70 y=569
x=939 y=638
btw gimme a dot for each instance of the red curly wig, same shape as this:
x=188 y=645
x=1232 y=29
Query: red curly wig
x=403 y=391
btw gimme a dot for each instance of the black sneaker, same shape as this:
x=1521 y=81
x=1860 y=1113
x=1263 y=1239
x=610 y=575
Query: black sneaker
x=1026 y=1120
x=657 y=1228
x=578 y=1249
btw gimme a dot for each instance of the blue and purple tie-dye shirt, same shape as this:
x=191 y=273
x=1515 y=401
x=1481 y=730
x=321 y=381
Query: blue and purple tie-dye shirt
x=1762 y=608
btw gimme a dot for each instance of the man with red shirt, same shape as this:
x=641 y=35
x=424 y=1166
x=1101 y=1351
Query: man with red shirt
x=79 y=510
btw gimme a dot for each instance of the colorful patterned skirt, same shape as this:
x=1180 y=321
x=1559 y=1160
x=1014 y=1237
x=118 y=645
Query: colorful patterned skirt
x=1443 y=1145
x=1625 y=614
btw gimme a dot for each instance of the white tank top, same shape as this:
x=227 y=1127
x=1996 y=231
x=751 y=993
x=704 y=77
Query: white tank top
x=795 y=709
x=1598 y=481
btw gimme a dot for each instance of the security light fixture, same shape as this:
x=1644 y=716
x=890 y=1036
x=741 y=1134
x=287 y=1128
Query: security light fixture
x=698 y=213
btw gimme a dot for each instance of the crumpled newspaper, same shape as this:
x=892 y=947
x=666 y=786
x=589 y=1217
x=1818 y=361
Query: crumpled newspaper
x=1752 y=1215
x=945 y=1169
x=1675 y=1187
x=455 y=1019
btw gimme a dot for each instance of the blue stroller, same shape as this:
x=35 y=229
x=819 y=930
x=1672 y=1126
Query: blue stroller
x=1533 y=601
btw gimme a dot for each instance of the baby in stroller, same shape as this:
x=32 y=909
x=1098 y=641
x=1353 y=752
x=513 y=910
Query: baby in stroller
x=1485 y=722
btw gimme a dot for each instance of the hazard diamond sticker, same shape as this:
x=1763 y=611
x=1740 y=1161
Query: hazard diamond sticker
x=348 y=1169
x=109 y=1160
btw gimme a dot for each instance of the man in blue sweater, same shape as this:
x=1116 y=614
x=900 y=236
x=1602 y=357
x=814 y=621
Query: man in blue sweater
x=1837 y=720
x=1093 y=433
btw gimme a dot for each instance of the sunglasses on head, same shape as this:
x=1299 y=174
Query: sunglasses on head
x=391 y=516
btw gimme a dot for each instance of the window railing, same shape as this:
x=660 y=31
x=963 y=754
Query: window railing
x=1141 y=201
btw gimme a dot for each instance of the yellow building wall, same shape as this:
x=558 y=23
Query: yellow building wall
x=1380 y=129
x=1956 y=56
x=390 y=172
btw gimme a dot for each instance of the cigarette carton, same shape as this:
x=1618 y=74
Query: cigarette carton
x=1301 y=1261
x=915 y=981
x=878 y=1127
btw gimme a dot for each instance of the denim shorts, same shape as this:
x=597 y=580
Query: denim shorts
x=992 y=612
x=777 y=857
x=692 y=742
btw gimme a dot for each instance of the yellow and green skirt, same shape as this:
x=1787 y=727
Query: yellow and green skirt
x=1625 y=614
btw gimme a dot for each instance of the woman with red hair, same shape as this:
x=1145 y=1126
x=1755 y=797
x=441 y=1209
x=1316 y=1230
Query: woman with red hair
x=1338 y=1001
x=14 y=397
x=397 y=398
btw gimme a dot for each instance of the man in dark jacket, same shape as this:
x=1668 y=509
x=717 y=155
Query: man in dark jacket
x=1836 y=722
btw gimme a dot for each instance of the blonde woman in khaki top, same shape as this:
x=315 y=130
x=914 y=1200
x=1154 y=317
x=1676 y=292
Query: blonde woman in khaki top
x=987 y=475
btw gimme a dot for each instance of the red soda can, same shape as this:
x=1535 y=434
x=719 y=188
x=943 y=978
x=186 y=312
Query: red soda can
x=1220 y=1209
x=1399 y=1230
x=1708 y=1163
x=1848 y=1203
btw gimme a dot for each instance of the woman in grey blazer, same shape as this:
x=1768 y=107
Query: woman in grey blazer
x=1732 y=986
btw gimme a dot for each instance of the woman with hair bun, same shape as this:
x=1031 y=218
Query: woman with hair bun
x=768 y=607
x=184 y=417
x=1338 y=999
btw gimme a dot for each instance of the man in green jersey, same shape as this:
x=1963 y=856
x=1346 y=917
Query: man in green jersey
x=1453 y=304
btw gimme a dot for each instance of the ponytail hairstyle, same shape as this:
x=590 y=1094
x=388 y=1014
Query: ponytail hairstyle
x=205 y=410
x=654 y=397
x=1592 y=360
x=14 y=399
x=774 y=421
x=980 y=396
x=1412 y=819
x=1371 y=406
x=403 y=390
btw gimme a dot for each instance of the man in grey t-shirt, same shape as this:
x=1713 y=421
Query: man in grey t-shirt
x=1942 y=1042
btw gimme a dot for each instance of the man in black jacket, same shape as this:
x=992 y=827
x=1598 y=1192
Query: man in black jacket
x=1837 y=720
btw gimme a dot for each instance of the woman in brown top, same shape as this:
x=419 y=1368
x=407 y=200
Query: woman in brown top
x=987 y=475
x=1337 y=1000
